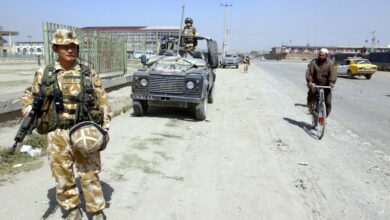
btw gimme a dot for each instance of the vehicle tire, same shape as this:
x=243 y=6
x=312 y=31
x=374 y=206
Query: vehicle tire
x=237 y=66
x=213 y=53
x=368 y=76
x=145 y=106
x=321 y=120
x=210 y=99
x=201 y=109
x=138 y=108
x=349 y=73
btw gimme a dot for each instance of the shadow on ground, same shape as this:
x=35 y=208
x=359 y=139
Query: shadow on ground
x=305 y=126
x=300 y=105
x=169 y=112
x=53 y=206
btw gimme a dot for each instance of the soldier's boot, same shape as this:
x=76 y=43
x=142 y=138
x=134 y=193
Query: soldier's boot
x=74 y=214
x=98 y=215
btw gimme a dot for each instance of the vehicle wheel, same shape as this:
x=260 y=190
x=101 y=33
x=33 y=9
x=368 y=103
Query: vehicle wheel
x=145 y=106
x=349 y=73
x=210 y=99
x=237 y=66
x=138 y=108
x=368 y=76
x=201 y=109
x=321 y=119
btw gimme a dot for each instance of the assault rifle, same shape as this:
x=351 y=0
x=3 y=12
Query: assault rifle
x=27 y=124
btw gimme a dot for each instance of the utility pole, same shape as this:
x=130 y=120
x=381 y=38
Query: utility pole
x=373 y=38
x=224 y=29
x=181 y=28
x=1 y=36
x=29 y=38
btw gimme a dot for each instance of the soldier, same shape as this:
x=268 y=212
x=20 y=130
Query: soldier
x=189 y=31
x=73 y=97
x=246 y=62
x=320 y=72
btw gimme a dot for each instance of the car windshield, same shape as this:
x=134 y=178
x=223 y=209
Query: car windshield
x=361 y=62
x=230 y=55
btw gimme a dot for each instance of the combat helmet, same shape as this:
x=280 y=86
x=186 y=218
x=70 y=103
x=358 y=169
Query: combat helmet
x=188 y=20
x=88 y=137
x=65 y=37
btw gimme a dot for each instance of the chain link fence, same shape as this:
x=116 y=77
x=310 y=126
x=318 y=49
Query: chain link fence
x=105 y=52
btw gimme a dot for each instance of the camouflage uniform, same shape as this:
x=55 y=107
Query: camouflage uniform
x=61 y=154
x=246 y=62
x=321 y=74
x=190 y=43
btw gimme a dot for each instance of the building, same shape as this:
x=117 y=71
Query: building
x=6 y=45
x=310 y=52
x=139 y=38
x=28 y=48
x=332 y=49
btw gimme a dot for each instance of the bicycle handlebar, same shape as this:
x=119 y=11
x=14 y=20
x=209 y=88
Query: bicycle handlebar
x=325 y=87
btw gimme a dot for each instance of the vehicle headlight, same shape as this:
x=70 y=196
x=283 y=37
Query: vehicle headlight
x=143 y=82
x=190 y=85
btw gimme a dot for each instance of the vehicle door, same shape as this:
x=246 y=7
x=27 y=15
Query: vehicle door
x=342 y=68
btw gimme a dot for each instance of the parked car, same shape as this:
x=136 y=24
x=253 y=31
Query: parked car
x=356 y=66
x=230 y=60
x=176 y=78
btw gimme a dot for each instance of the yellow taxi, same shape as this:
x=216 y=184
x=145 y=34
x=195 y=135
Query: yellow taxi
x=356 y=66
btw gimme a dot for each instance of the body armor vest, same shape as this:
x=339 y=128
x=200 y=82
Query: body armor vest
x=69 y=99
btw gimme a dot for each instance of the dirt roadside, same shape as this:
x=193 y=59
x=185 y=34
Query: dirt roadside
x=246 y=161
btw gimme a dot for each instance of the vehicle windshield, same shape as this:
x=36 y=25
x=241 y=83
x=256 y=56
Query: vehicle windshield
x=173 y=64
x=231 y=55
x=361 y=62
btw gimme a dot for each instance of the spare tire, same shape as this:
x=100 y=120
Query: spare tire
x=213 y=53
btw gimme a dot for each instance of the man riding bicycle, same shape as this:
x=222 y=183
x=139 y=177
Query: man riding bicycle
x=320 y=72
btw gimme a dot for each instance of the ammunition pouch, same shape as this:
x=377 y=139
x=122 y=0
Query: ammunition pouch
x=48 y=118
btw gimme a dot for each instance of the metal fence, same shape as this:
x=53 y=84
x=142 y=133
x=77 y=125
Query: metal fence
x=106 y=52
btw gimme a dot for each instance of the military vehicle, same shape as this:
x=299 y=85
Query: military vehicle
x=177 y=77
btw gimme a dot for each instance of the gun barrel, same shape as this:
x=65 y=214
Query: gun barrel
x=14 y=148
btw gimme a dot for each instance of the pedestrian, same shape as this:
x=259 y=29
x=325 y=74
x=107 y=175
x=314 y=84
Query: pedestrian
x=76 y=118
x=39 y=60
x=189 y=32
x=320 y=72
x=247 y=62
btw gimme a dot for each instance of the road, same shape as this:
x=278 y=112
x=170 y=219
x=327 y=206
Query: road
x=253 y=158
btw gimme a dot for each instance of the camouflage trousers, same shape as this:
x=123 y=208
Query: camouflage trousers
x=62 y=158
x=246 y=67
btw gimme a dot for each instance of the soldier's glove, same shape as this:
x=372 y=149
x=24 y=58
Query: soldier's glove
x=331 y=85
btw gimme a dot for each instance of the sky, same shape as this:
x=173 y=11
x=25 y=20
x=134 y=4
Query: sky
x=251 y=24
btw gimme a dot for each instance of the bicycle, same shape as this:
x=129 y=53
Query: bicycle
x=319 y=113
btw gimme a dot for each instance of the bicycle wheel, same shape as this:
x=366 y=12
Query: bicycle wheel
x=321 y=120
x=314 y=120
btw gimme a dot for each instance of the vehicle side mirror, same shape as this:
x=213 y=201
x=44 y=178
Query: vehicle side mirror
x=144 y=59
